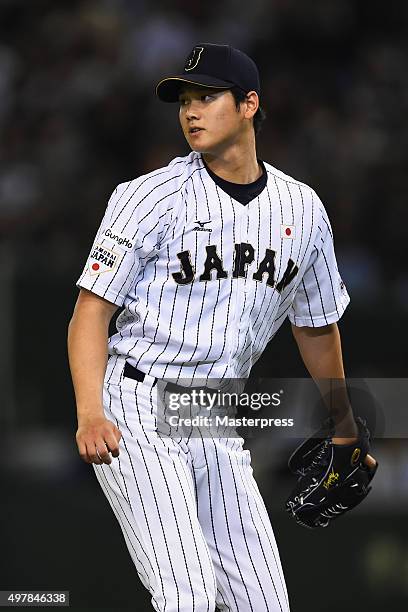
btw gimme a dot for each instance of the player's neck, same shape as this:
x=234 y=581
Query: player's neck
x=236 y=165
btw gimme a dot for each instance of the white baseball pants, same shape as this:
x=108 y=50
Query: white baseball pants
x=190 y=510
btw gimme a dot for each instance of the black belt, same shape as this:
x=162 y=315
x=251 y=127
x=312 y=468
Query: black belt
x=130 y=371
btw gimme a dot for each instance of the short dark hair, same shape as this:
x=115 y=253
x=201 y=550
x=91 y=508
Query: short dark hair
x=260 y=115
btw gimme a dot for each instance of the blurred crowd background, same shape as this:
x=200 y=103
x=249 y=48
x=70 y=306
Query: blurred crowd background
x=78 y=116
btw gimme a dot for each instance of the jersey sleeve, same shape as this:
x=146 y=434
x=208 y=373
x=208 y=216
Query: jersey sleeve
x=134 y=223
x=321 y=297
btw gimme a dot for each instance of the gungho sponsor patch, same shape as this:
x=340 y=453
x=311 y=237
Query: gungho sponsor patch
x=120 y=239
x=102 y=260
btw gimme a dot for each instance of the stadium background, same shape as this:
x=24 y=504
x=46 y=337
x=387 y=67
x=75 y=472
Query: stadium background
x=78 y=116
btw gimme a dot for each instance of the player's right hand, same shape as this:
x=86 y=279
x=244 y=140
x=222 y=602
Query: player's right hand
x=97 y=439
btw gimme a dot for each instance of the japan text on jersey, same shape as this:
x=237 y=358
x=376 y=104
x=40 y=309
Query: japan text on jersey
x=205 y=281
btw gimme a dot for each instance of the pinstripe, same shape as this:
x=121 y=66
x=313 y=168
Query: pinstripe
x=151 y=176
x=148 y=440
x=130 y=351
x=151 y=230
x=191 y=359
x=245 y=297
x=147 y=298
x=272 y=305
x=123 y=410
x=116 y=357
x=244 y=535
x=212 y=330
x=297 y=262
x=136 y=322
x=213 y=526
x=142 y=547
x=158 y=310
x=246 y=343
x=320 y=293
x=326 y=222
x=119 y=462
x=195 y=487
x=231 y=281
x=331 y=281
x=188 y=473
x=256 y=496
x=308 y=301
x=227 y=522
x=283 y=312
x=242 y=473
x=106 y=489
x=159 y=306
x=129 y=275
x=125 y=282
x=157 y=202
x=128 y=184
x=293 y=218
x=230 y=292
x=186 y=479
x=193 y=533
x=171 y=322
x=306 y=250
x=279 y=306
x=173 y=359
x=244 y=363
x=234 y=290
x=151 y=210
x=304 y=255
x=144 y=513
x=176 y=522
x=285 y=178
x=161 y=522
x=302 y=228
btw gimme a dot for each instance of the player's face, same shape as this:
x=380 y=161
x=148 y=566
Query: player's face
x=210 y=119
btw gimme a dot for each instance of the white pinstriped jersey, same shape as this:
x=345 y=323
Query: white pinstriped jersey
x=205 y=281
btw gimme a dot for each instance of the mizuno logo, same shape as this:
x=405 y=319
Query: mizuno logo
x=201 y=227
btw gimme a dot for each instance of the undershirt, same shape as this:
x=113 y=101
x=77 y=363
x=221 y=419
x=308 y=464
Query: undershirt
x=242 y=193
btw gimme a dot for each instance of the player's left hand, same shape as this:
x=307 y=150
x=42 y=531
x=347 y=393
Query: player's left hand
x=333 y=478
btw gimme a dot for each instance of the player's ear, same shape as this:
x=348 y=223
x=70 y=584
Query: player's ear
x=252 y=104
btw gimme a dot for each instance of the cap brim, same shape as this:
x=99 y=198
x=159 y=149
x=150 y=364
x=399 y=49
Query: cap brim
x=168 y=90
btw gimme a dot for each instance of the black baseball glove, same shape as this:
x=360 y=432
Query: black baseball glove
x=333 y=479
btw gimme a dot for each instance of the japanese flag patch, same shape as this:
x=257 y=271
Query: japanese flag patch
x=102 y=260
x=288 y=231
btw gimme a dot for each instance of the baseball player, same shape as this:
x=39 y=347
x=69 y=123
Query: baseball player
x=207 y=257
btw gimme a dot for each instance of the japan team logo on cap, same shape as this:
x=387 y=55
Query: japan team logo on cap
x=193 y=59
x=288 y=231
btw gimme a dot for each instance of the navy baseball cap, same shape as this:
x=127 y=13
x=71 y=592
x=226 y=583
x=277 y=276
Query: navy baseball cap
x=215 y=67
